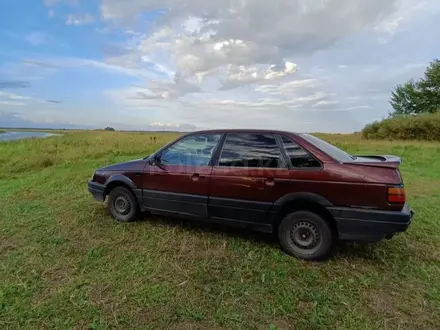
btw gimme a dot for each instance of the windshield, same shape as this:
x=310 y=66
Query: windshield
x=331 y=150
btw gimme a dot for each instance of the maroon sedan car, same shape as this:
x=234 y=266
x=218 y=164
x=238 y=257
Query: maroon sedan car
x=307 y=191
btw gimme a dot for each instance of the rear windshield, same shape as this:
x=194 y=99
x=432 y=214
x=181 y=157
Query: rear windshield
x=334 y=152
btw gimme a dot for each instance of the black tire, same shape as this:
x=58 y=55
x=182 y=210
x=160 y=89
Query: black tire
x=305 y=235
x=122 y=205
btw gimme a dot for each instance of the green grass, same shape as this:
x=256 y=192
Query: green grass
x=66 y=264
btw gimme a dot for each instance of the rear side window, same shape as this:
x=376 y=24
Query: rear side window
x=251 y=150
x=298 y=156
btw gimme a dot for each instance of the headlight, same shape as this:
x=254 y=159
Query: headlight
x=93 y=176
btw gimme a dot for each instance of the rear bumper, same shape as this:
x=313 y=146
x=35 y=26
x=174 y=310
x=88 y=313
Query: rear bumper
x=97 y=190
x=371 y=225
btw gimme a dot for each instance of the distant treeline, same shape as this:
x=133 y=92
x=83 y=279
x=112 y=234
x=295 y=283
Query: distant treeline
x=413 y=127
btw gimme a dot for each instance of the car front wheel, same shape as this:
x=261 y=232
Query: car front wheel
x=122 y=205
x=305 y=235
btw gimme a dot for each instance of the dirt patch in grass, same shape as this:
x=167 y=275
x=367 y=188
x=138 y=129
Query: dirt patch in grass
x=407 y=306
x=25 y=194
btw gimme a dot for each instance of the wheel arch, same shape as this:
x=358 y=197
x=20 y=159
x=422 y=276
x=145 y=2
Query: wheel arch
x=118 y=180
x=304 y=202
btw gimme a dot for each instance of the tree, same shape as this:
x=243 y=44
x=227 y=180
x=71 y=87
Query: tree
x=110 y=129
x=431 y=87
x=406 y=99
x=416 y=97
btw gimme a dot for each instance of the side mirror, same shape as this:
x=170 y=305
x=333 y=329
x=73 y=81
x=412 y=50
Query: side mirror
x=155 y=160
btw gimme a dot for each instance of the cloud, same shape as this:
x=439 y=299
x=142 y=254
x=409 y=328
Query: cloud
x=161 y=90
x=11 y=99
x=407 y=10
x=51 y=13
x=77 y=20
x=11 y=96
x=325 y=103
x=171 y=127
x=234 y=44
x=12 y=103
x=36 y=38
x=241 y=75
x=171 y=90
x=51 y=3
x=13 y=84
x=270 y=30
x=40 y=64
x=74 y=62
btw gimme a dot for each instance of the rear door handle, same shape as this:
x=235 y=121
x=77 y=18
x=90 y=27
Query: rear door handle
x=272 y=182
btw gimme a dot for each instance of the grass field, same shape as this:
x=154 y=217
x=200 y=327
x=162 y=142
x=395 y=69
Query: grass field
x=66 y=264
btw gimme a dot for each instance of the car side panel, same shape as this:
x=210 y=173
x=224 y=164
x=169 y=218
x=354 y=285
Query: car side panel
x=338 y=187
x=176 y=189
x=243 y=194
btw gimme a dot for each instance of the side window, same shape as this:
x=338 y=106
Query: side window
x=251 y=150
x=194 y=150
x=298 y=156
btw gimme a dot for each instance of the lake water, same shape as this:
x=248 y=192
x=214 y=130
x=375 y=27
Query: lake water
x=6 y=136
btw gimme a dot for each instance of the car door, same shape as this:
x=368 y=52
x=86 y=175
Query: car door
x=247 y=178
x=177 y=182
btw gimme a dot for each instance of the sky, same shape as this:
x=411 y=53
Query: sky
x=297 y=65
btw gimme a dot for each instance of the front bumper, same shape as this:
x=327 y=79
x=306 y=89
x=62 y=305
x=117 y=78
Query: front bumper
x=97 y=190
x=371 y=225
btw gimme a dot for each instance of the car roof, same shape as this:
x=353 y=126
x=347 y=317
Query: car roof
x=239 y=130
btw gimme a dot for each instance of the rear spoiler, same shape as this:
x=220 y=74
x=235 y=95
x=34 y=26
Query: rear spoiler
x=389 y=161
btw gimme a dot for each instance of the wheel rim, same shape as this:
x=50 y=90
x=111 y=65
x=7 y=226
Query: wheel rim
x=305 y=237
x=122 y=205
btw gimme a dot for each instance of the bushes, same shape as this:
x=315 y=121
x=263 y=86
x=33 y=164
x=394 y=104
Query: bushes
x=420 y=127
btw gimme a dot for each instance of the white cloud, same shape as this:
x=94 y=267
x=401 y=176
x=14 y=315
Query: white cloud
x=11 y=96
x=11 y=99
x=51 y=3
x=73 y=62
x=51 y=13
x=36 y=38
x=12 y=103
x=77 y=20
x=166 y=90
x=406 y=10
x=237 y=43
x=325 y=103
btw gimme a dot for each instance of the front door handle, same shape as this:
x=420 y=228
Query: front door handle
x=269 y=182
x=196 y=177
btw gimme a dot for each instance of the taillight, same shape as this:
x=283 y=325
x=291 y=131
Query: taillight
x=396 y=195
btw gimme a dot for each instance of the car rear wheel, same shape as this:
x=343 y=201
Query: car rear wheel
x=122 y=205
x=305 y=235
